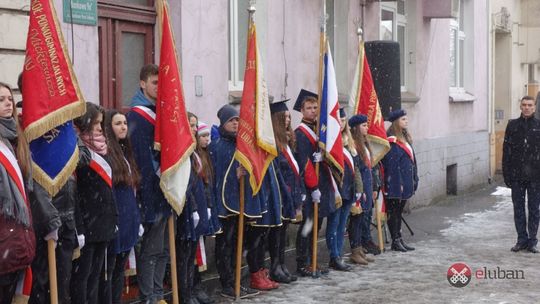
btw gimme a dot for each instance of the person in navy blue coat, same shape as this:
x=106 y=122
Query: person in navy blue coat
x=153 y=255
x=126 y=179
x=292 y=191
x=320 y=190
x=337 y=221
x=227 y=173
x=400 y=176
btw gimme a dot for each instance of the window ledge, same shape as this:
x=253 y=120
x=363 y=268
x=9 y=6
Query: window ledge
x=235 y=97
x=461 y=97
x=408 y=97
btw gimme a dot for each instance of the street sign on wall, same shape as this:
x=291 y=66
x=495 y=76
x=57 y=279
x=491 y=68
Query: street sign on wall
x=80 y=11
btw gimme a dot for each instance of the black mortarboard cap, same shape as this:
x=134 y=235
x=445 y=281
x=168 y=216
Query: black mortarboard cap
x=279 y=106
x=301 y=97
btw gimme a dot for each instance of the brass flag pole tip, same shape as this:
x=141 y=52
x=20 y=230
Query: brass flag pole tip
x=359 y=31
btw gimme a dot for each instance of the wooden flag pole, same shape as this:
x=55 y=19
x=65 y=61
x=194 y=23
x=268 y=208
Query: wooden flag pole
x=379 y=225
x=315 y=204
x=172 y=251
x=51 y=250
x=239 y=241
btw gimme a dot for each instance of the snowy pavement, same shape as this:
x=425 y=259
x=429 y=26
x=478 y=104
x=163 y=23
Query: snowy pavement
x=481 y=238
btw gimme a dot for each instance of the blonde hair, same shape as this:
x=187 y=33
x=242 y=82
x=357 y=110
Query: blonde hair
x=401 y=134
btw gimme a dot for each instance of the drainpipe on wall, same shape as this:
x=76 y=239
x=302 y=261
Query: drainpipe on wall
x=491 y=95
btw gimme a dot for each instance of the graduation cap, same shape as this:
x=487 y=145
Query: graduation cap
x=279 y=106
x=396 y=114
x=302 y=97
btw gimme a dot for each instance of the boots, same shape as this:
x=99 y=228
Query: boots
x=291 y=277
x=409 y=248
x=397 y=246
x=338 y=264
x=365 y=256
x=260 y=281
x=277 y=274
x=356 y=256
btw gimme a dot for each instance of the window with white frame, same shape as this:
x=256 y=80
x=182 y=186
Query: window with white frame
x=238 y=24
x=457 y=50
x=393 y=26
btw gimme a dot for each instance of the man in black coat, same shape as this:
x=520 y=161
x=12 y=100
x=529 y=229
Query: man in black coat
x=521 y=172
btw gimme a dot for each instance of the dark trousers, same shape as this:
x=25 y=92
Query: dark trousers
x=86 y=272
x=67 y=241
x=365 y=227
x=226 y=251
x=255 y=243
x=8 y=284
x=185 y=258
x=111 y=280
x=355 y=221
x=304 y=241
x=532 y=190
x=277 y=243
x=394 y=209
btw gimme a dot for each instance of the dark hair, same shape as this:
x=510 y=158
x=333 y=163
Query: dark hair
x=22 y=150
x=85 y=122
x=361 y=143
x=120 y=151
x=147 y=71
x=527 y=97
x=207 y=172
x=19 y=83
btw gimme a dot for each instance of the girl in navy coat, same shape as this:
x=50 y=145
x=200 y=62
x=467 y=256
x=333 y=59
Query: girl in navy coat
x=400 y=175
x=98 y=207
x=126 y=179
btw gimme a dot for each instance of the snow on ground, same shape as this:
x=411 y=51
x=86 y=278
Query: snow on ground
x=479 y=239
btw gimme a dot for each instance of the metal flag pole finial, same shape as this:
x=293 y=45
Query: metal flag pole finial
x=359 y=32
x=251 y=9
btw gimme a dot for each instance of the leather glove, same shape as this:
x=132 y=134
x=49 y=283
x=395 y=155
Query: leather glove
x=317 y=157
x=141 y=230
x=316 y=196
x=81 y=240
x=196 y=218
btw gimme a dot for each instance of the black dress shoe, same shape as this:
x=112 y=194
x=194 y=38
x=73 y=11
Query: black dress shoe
x=338 y=264
x=409 y=248
x=291 y=277
x=396 y=246
x=304 y=272
x=533 y=249
x=519 y=247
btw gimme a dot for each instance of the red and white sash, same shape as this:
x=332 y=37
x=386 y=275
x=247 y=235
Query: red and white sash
x=146 y=113
x=9 y=161
x=405 y=146
x=101 y=167
x=309 y=133
x=291 y=160
x=349 y=159
x=131 y=265
x=200 y=255
x=24 y=287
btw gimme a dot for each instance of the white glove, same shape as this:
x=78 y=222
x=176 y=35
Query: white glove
x=141 y=230
x=358 y=196
x=209 y=212
x=195 y=219
x=316 y=196
x=317 y=157
x=303 y=197
x=80 y=240
x=53 y=235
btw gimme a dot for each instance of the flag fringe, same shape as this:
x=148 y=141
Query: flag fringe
x=177 y=206
x=53 y=186
x=382 y=142
x=234 y=212
x=54 y=119
x=255 y=186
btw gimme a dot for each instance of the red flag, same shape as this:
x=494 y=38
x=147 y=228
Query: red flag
x=172 y=134
x=52 y=96
x=255 y=143
x=364 y=101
